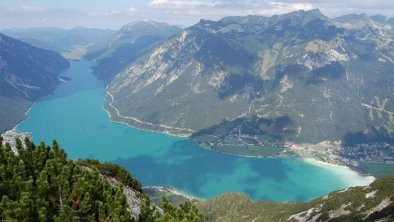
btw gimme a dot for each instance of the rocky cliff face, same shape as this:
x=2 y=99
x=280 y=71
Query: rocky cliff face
x=27 y=74
x=328 y=77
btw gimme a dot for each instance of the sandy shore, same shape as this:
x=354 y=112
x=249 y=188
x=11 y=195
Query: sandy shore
x=348 y=176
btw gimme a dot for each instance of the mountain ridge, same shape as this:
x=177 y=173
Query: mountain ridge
x=327 y=34
x=127 y=45
x=27 y=73
x=302 y=68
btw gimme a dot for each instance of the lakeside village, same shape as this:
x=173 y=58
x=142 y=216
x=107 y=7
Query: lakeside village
x=326 y=151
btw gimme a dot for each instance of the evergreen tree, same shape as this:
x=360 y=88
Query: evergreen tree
x=39 y=183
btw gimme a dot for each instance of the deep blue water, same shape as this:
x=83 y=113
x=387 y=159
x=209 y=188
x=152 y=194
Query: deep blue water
x=75 y=117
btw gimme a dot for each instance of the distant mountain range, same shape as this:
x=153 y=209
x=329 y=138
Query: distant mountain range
x=127 y=45
x=27 y=73
x=302 y=76
x=299 y=77
x=70 y=43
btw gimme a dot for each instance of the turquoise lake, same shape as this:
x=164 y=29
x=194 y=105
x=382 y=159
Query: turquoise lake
x=75 y=117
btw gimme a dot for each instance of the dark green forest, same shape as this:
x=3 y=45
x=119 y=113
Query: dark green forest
x=39 y=183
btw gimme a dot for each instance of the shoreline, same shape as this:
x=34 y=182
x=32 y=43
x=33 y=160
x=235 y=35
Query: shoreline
x=365 y=179
x=316 y=162
x=35 y=102
x=112 y=117
x=142 y=129
x=26 y=114
x=166 y=129
x=312 y=161
x=343 y=169
x=26 y=117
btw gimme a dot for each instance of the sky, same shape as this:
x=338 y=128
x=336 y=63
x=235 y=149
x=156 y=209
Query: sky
x=115 y=13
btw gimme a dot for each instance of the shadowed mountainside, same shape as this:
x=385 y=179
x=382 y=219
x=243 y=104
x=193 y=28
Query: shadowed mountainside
x=27 y=74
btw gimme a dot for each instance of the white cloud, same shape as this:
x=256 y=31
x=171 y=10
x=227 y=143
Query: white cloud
x=104 y=13
x=274 y=8
x=26 y=8
x=113 y=13
x=132 y=9
x=33 y=8
x=179 y=4
x=292 y=6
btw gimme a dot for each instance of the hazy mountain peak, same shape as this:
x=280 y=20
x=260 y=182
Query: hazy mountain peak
x=390 y=21
x=379 y=18
x=353 y=18
x=132 y=31
x=128 y=44
x=302 y=16
x=358 y=21
x=314 y=12
x=249 y=19
x=142 y=24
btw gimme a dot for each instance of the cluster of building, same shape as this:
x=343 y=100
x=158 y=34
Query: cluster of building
x=376 y=152
x=332 y=152
x=235 y=137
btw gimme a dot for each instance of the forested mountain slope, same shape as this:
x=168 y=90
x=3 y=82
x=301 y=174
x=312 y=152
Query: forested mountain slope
x=127 y=44
x=27 y=73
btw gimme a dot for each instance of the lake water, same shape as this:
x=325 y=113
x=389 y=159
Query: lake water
x=75 y=117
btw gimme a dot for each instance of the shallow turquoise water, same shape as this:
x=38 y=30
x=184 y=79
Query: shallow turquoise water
x=75 y=117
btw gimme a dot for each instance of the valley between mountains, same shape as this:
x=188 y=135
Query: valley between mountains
x=299 y=84
x=248 y=118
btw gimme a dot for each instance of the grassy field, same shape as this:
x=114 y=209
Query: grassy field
x=250 y=150
x=376 y=169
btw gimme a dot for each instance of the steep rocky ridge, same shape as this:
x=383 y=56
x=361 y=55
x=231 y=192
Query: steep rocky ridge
x=327 y=78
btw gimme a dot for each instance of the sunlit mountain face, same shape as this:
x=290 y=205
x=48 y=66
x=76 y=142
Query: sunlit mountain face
x=300 y=77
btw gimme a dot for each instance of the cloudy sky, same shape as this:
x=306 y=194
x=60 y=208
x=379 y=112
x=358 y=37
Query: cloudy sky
x=115 y=13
